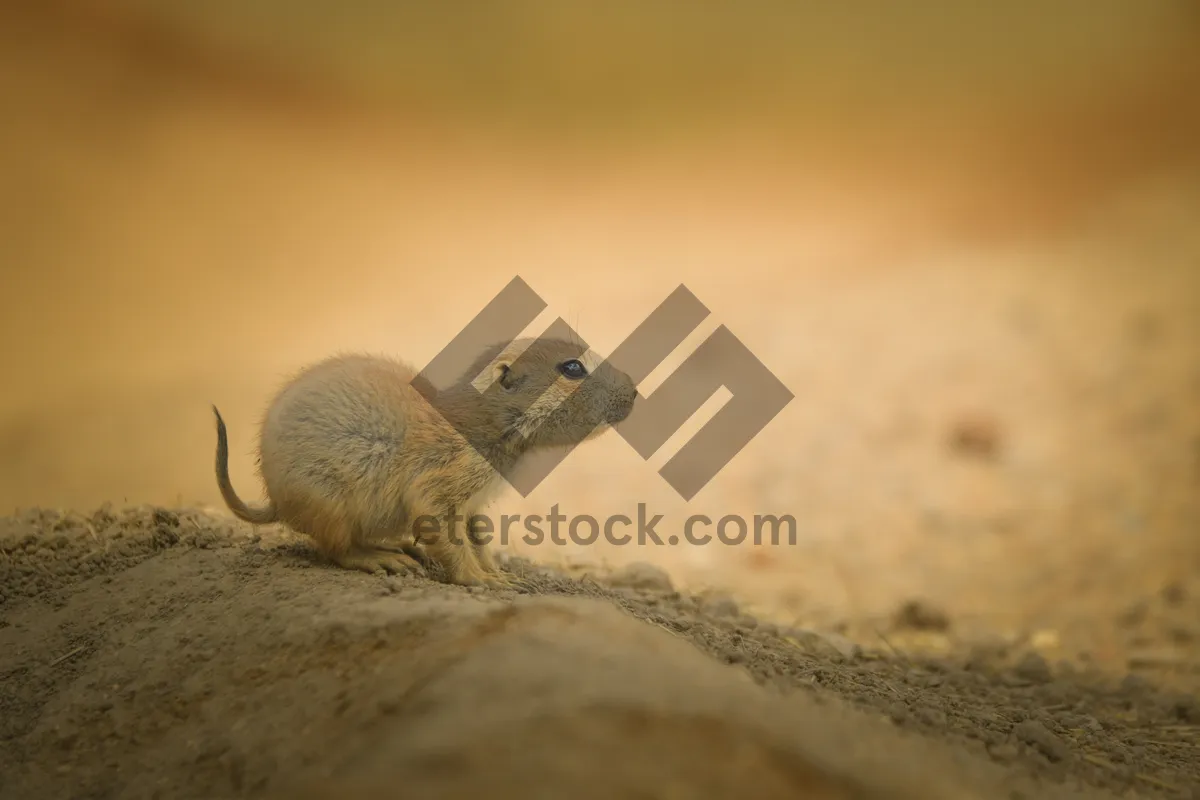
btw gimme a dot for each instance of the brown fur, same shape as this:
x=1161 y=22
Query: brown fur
x=352 y=455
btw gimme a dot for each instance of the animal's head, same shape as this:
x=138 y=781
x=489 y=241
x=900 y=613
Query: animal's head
x=550 y=393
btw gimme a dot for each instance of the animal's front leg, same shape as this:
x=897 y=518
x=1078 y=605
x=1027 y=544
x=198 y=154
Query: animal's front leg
x=480 y=539
x=451 y=547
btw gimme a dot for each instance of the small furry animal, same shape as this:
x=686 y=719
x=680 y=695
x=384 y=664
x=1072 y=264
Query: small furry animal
x=354 y=456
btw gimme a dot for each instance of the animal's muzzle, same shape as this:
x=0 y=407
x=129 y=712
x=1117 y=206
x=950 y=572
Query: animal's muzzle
x=623 y=408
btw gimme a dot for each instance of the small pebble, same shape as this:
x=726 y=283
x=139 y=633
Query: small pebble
x=1032 y=667
x=919 y=615
x=1004 y=752
x=1186 y=708
x=1134 y=615
x=1043 y=739
x=1134 y=684
x=1154 y=659
x=723 y=607
x=976 y=435
x=844 y=646
x=1174 y=594
x=643 y=577
x=1182 y=635
x=813 y=642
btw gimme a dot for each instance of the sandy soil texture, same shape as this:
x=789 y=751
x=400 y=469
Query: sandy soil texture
x=160 y=653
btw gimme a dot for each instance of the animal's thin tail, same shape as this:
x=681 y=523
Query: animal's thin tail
x=261 y=515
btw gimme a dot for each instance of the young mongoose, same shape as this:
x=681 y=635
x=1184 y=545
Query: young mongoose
x=354 y=456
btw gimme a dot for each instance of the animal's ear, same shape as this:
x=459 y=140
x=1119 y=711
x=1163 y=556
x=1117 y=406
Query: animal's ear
x=505 y=376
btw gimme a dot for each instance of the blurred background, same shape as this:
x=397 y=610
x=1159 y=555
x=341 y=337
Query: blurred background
x=964 y=236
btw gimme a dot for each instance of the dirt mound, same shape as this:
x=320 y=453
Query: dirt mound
x=159 y=653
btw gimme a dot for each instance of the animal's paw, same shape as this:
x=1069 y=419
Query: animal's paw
x=482 y=578
x=382 y=561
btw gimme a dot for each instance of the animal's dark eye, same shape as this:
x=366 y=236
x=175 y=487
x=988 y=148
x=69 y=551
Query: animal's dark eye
x=572 y=369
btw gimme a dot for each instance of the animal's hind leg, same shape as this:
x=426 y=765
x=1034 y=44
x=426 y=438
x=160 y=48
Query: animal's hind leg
x=404 y=542
x=408 y=548
x=342 y=544
x=370 y=554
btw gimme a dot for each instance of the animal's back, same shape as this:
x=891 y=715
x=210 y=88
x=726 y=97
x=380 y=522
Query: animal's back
x=335 y=433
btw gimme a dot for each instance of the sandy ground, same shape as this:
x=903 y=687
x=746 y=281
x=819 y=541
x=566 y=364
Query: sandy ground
x=164 y=654
x=993 y=335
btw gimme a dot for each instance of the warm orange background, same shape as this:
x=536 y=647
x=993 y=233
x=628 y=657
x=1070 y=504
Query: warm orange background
x=917 y=218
